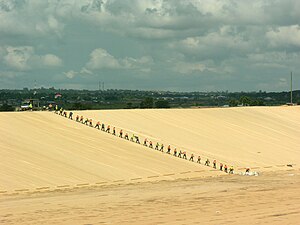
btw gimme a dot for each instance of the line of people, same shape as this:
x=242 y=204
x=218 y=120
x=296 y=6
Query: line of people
x=146 y=143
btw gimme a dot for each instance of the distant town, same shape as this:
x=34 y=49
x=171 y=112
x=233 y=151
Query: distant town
x=12 y=100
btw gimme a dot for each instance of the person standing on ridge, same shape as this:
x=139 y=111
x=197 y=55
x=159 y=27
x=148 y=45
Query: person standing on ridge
x=175 y=152
x=225 y=168
x=221 y=166
x=179 y=154
x=145 y=142
x=192 y=157
x=126 y=136
x=156 y=146
x=81 y=119
x=114 y=131
x=184 y=155
x=121 y=133
x=61 y=111
x=98 y=125
x=215 y=164
x=108 y=129
x=77 y=118
x=103 y=127
x=169 y=149
x=150 y=144
x=91 y=122
x=207 y=162
x=86 y=121
x=56 y=109
x=137 y=140
x=132 y=137
x=199 y=159
x=231 y=170
x=71 y=115
x=162 y=148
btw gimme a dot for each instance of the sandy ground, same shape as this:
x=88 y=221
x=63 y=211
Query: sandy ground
x=272 y=198
x=247 y=136
x=42 y=149
x=57 y=171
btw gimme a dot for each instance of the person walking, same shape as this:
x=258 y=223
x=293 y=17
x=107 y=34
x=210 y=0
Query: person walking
x=98 y=125
x=225 y=169
x=184 y=155
x=221 y=166
x=214 y=164
x=126 y=136
x=114 y=131
x=156 y=146
x=162 y=148
x=150 y=144
x=199 y=159
x=169 y=149
x=207 y=162
x=71 y=115
x=175 y=152
x=121 y=133
x=192 y=157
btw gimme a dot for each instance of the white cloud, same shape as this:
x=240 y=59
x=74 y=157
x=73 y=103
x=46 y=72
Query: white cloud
x=100 y=59
x=51 y=60
x=70 y=74
x=18 y=57
x=23 y=58
x=284 y=35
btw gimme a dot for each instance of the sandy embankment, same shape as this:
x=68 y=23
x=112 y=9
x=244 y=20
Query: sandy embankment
x=42 y=149
x=96 y=178
x=248 y=136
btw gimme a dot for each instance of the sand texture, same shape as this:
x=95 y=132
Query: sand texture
x=58 y=171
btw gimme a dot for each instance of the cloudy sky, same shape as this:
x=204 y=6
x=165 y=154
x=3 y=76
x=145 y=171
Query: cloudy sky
x=183 y=45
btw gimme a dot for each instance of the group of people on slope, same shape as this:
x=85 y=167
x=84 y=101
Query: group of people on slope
x=146 y=143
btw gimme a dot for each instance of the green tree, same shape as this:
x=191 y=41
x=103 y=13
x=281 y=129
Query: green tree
x=6 y=108
x=233 y=103
x=147 y=103
x=245 y=100
x=162 y=104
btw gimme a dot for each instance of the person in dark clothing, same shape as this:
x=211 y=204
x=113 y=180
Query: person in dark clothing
x=162 y=148
x=126 y=136
x=121 y=133
x=169 y=149
x=221 y=166
x=86 y=121
x=192 y=157
x=103 y=127
x=98 y=125
x=207 y=162
x=199 y=159
x=71 y=115
x=145 y=142
x=77 y=118
x=179 y=154
x=150 y=144
x=114 y=131
x=108 y=129
x=214 y=164
x=184 y=155
x=175 y=152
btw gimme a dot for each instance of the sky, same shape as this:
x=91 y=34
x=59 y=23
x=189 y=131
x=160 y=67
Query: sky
x=178 y=45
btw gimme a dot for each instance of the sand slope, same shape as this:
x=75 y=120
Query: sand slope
x=248 y=136
x=42 y=148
